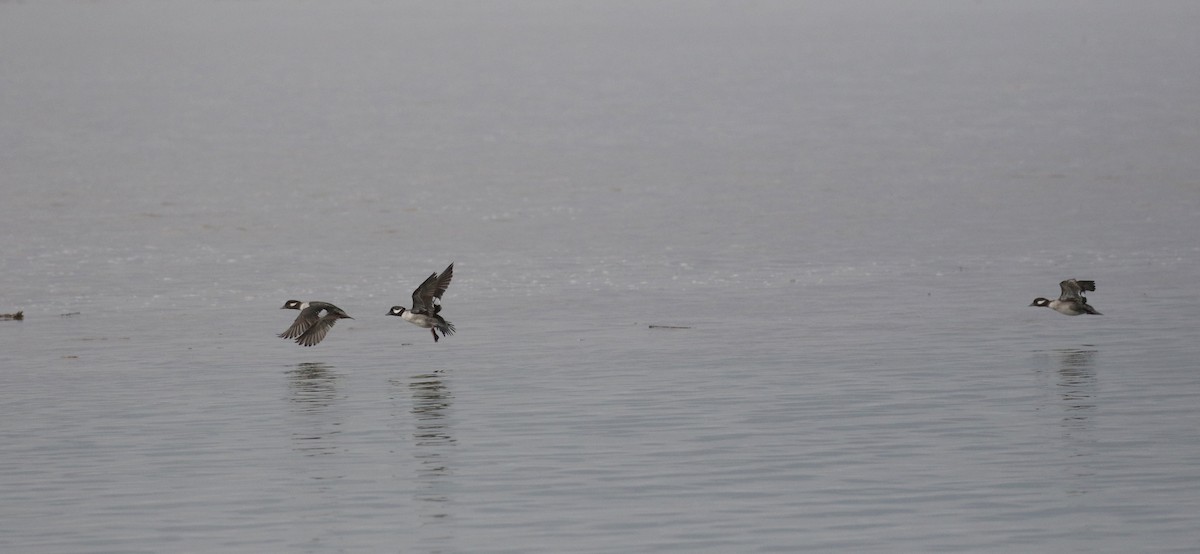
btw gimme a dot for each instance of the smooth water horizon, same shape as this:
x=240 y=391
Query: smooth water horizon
x=728 y=277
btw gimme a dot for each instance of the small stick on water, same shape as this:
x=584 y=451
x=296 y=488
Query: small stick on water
x=17 y=316
x=668 y=327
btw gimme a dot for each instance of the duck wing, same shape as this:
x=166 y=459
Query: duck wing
x=432 y=288
x=316 y=333
x=307 y=318
x=1072 y=289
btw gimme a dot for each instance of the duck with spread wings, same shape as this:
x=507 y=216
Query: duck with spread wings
x=1071 y=301
x=426 y=304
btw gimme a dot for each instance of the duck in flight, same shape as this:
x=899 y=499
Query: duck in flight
x=426 y=305
x=1071 y=301
x=314 y=322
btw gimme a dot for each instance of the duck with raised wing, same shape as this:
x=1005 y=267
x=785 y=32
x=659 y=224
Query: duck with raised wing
x=314 y=322
x=426 y=305
x=1071 y=301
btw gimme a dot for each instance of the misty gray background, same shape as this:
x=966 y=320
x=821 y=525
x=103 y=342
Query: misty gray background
x=849 y=205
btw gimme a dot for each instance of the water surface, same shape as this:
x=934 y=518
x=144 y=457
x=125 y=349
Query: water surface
x=846 y=208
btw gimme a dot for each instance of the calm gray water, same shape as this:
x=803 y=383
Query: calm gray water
x=849 y=206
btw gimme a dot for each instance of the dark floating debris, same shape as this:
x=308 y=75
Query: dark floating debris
x=17 y=316
x=668 y=327
x=68 y=314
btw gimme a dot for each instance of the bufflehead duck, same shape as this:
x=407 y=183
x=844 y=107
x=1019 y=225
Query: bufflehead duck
x=311 y=325
x=427 y=304
x=1071 y=301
